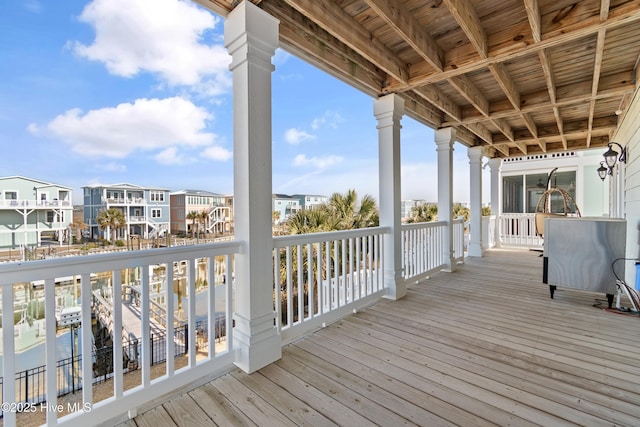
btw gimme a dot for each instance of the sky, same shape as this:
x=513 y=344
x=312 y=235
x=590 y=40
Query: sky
x=116 y=91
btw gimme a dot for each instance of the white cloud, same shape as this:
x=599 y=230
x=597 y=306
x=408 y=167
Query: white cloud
x=302 y=160
x=329 y=118
x=145 y=125
x=133 y=36
x=170 y=156
x=217 y=153
x=111 y=167
x=295 y=136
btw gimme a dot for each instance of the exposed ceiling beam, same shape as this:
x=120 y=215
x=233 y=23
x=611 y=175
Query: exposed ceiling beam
x=597 y=67
x=468 y=20
x=300 y=35
x=532 y=106
x=505 y=82
x=396 y=15
x=465 y=86
x=533 y=14
x=569 y=31
x=346 y=29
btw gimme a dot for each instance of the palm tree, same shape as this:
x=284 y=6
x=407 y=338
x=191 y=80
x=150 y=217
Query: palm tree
x=341 y=212
x=348 y=214
x=193 y=216
x=204 y=217
x=425 y=212
x=111 y=219
x=461 y=211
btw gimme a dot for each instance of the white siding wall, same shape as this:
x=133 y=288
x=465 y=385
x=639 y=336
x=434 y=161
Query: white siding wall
x=629 y=136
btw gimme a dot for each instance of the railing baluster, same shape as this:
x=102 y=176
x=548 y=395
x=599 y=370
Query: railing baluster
x=117 y=333
x=87 y=335
x=8 y=351
x=191 y=328
x=319 y=286
x=277 y=286
x=50 y=347
x=310 y=285
x=229 y=303
x=169 y=328
x=145 y=322
x=300 y=284
x=289 y=287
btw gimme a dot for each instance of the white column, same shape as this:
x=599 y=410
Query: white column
x=495 y=165
x=444 y=141
x=389 y=110
x=475 y=191
x=251 y=36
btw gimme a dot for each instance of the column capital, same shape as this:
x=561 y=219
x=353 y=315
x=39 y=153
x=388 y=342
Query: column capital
x=495 y=163
x=474 y=154
x=445 y=136
x=391 y=103
x=249 y=30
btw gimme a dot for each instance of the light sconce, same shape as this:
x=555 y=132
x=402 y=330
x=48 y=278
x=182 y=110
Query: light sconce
x=602 y=171
x=611 y=156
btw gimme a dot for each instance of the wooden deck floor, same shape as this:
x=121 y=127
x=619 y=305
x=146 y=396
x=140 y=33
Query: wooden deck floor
x=484 y=345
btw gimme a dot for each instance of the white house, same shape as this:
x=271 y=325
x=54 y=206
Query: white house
x=30 y=208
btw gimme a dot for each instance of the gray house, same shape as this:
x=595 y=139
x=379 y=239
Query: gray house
x=31 y=209
x=146 y=210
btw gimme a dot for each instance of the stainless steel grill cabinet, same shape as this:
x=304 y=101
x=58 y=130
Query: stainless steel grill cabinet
x=579 y=253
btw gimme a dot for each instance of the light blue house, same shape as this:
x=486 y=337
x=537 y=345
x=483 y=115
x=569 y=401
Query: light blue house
x=310 y=201
x=285 y=206
x=146 y=210
x=31 y=208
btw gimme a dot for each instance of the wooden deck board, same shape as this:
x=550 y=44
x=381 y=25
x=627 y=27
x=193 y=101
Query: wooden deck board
x=484 y=345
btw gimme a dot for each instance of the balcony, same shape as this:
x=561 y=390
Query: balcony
x=481 y=345
x=30 y=203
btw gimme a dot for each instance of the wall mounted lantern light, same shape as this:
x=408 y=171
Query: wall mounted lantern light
x=602 y=171
x=610 y=158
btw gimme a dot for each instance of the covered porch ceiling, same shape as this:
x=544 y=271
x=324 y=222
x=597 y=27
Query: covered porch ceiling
x=517 y=77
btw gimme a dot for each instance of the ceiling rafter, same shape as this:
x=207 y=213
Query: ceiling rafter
x=346 y=29
x=597 y=67
x=625 y=14
x=468 y=20
x=400 y=19
x=604 y=9
x=317 y=45
x=533 y=14
x=436 y=56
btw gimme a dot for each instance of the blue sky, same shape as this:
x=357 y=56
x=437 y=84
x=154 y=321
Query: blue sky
x=110 y=91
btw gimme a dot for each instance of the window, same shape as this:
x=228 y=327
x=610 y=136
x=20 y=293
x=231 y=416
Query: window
x=156 y=213
x=157 y=196
x=512 y=194
x=521 y=193
x=52 y=216
x=11 y=195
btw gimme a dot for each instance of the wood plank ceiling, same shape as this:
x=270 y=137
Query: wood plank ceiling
x=517 y=77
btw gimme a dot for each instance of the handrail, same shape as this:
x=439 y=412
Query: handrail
x=215 y=359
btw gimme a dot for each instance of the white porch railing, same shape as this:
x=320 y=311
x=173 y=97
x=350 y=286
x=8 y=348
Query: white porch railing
x=459 y=247
x=519 y=230
x=322 y=277
x=182 y=267
x=318 y=279
x=423 y=248
x=488 y=231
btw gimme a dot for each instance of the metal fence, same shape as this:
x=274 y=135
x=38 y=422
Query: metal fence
x=31 y=386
